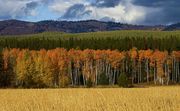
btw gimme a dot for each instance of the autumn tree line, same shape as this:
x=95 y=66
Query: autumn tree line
x=64 y=68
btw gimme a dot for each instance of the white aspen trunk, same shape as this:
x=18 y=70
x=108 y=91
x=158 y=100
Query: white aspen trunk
x=75 y=76
x=147 y=69
x=71 y=73
x=126 y=66
x=162 y=81
x=155 y=74
x=109 y=74
x=135 y=73
x=172 y=68
x=178 y=73
x=140 y=73
x=123 y=66
x=165 y=72
x=100 y=66
x=174 y=72
x=91 y=68
x=103 y=66
x=84 y=80
x=132 y=73
x=168 y=75
x=114 y=76
x=106 y=69
x=96 y=73
x=78 y=76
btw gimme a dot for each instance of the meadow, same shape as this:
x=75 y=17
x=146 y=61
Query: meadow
x=95 y=99
x=55 y=60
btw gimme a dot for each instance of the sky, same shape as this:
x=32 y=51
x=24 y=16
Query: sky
x=145 y=12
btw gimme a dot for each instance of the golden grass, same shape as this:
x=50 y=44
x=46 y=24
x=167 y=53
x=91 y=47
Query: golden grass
x=109 y=99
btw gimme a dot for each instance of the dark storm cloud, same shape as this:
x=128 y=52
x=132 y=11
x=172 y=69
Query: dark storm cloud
x=30 y=6
x=165 y=16
x=169 y=11
x=157 y=3
x=105 y=3
x=76 y=11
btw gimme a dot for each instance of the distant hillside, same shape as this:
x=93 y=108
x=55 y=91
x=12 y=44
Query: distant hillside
x=173 y=27
x=16 y=27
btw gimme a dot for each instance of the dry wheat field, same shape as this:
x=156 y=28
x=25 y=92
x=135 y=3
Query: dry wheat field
x=96 y=99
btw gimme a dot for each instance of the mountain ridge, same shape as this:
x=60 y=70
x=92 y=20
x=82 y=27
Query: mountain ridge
x=173 y=27
x=18 y=27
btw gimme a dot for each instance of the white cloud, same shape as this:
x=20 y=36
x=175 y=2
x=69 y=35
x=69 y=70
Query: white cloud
x=14 y=9
x=9 y=8
x=125 y=12
x=60 y=6
x=33 y=13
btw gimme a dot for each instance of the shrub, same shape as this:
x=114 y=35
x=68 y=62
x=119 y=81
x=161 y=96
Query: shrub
x=123 y=80
x=64 y=81
x=89 y=83
x=103 y=80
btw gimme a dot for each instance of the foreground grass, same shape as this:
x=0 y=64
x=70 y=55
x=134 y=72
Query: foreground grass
x=108 y=99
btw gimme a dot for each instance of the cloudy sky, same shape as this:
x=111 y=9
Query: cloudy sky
x=148 y=12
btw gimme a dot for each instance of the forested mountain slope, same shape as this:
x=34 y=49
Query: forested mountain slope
x=15 y=27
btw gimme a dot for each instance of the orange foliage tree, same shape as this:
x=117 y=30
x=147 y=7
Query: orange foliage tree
x=60 y=67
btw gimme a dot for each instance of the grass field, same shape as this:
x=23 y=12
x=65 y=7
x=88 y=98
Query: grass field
x=103 y=34
x=107 y=99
